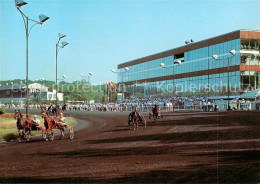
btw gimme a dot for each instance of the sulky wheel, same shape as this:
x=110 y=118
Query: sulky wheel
x=47 y=136
x=62 y=135
x=52 y=136
x=130 y=125
x=71 y=135
x=44 y=136
x=144 y=123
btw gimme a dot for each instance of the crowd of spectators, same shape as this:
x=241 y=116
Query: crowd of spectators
x=146 y=104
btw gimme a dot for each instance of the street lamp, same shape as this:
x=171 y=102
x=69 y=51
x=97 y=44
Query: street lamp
x=177 y=63
x=63 y=44
x=113 y=70
x=215 y=57
x=26 y=19
x=63 y=77
x=162 y=65
x=126 y=69
x=90 y=74
x=122 y=73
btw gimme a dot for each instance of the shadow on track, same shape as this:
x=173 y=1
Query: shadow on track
x=197 y=174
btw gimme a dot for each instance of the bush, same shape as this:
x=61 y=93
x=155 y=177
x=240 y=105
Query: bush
x=10 y=136
x=2 y=111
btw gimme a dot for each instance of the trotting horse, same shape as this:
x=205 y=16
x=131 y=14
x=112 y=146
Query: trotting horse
x=26 y=125
x=156 y=114
x=51 y=123
x=52 y=110
x=134 y=119
x=20 y=124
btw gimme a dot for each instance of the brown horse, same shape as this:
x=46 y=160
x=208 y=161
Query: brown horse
x=134 y=119
x=26 y=125
x=53 y=110
x=20 y=124
x=156 y=114
x=52 y=123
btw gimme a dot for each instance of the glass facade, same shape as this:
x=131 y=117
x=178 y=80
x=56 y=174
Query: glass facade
x=198 y=74
x=146 y=70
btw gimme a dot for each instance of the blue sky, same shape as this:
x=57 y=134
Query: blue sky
x=105 y=33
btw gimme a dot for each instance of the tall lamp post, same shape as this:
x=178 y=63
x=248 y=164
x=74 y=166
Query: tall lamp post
x=63 y=77
x=63 y=44
x=126 y=70
x=215 y=57
x=90 y=74
x=26 y=19
x=177 y=63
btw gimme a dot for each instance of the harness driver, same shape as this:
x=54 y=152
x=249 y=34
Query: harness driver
x=155 y=109
x=62 y=119
x=36 y=121
x=133 y=113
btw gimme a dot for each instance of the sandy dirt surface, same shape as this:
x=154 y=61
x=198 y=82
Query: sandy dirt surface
x=185 y=147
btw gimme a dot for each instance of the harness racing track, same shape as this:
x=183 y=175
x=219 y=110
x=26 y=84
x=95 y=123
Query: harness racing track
x=186 y=147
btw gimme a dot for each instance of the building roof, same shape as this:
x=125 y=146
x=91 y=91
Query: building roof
x=21 y=86
x=12 y=86
x=196 y=45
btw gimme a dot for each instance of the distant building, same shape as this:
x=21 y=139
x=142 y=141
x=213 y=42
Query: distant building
x=17 y=92
x=52 y=95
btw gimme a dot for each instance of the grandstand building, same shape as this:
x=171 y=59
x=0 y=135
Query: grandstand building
x=203 y=68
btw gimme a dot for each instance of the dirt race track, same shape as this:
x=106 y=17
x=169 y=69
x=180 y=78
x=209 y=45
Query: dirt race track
x=186 y=147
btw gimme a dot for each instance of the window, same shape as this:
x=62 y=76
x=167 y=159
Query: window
x=249 y=44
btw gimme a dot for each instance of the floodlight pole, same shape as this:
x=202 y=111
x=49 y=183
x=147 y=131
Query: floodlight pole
x=26 y=23
x=63 y=44
x=122 y=73
x=56 y=78
x=232 y=52
x=89 y=79
x=173 y=80
x=56 y=81
x=173 y=72
x=229 y=59
x=27 y=32
x=27 y=83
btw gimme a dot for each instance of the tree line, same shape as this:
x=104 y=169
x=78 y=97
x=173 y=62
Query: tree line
x=74 y=91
